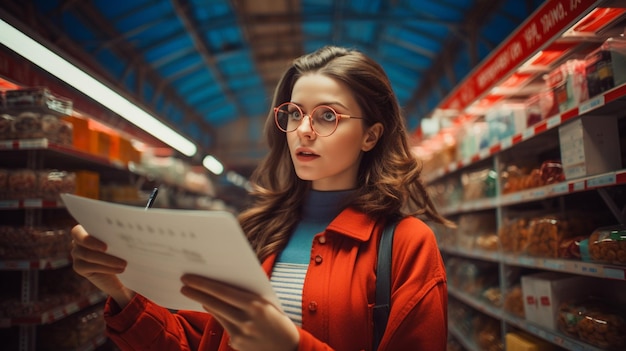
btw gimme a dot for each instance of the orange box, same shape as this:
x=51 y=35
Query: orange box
x=99 y=143
x=114 y=150
x=88 y=184
x=80 y=132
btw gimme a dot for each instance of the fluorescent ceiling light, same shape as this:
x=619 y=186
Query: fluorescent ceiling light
x=75 y=77
x=213 y=165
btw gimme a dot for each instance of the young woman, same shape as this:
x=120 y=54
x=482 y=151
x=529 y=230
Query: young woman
x=339 y=167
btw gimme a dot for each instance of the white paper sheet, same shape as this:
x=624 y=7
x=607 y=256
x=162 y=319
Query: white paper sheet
x=161 y=245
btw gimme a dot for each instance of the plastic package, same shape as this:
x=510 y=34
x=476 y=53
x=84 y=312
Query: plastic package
x=606 y=66
x=514 y=301
x=479 y=184
x=605 y=245
x=546 y=234
x=513 y=235
x=32 y=242
x=477 y=231
x=569 y=83
x=37 y=98
x=52 y=183
x=595 y=322
x=33 y=125
x=22 y=183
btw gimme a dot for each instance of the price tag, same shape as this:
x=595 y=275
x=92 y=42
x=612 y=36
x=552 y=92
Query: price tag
x=484 y=153
x=506 y=143
x=614 y=273
x=58 y=314
x=10 y=204
x=36 y=203
x=527 y=133
x=33 y=143
x=560 y=188
x=578 y=186
x=607 y=179
x=591 y=104
x=553 y=121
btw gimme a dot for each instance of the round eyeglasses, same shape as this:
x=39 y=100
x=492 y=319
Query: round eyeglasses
x=323 y=119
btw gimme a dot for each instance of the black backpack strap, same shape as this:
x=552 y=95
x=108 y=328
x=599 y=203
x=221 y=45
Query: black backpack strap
x=383 y=282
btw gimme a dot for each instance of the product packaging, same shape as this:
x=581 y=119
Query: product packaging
x=605 y=245
x=606 y=66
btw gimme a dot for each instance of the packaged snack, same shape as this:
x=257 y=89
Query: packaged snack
x=33 y=242
x=513 y=235
x=605 y=245
x=52 y=183
x=547 y=233
x=22 y=183
x=37 y=99
x=595 y=322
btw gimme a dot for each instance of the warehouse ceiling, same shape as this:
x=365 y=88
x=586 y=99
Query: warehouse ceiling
x=208 y=67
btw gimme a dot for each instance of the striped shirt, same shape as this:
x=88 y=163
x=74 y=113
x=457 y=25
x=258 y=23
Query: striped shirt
x=289 y=272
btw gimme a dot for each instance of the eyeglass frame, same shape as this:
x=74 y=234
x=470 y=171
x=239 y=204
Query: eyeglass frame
x=337 y=114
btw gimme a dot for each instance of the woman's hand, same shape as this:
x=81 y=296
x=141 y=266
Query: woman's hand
x=91 y=261
x=252 y=322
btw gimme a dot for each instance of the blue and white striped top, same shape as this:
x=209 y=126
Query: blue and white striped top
x=287 y=279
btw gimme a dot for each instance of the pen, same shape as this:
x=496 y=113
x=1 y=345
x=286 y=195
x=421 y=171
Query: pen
x=151 y=198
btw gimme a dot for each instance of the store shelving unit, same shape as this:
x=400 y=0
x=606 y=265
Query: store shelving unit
x=43 y=154
x=559 y=197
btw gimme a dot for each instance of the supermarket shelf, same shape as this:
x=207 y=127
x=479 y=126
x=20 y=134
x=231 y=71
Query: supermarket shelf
x=563 y=188
x=476 y=303
x=593 y=105
x=550 y=335
x=463 y=339
x=30 y=203
x=93 y=344
x=568 y=266
x=45 y=144
x=492 y=256
x=43 y=263
x=56 y=313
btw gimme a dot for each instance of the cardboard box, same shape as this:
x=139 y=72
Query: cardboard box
x=544 y=292
x=589 y=146
x=80 y=132
x=88 y=184
x=518 y=341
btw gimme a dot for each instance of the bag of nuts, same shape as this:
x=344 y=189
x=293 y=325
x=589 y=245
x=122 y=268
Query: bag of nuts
x=605 y=245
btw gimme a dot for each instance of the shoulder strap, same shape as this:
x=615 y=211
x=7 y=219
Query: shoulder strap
x=383 y=282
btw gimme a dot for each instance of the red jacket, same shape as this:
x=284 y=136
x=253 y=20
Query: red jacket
x=337 y=297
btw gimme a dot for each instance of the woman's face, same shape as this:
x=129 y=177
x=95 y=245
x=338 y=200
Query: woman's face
x=332 y=162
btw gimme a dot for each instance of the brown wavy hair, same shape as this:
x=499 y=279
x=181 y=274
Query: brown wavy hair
x=388 y=181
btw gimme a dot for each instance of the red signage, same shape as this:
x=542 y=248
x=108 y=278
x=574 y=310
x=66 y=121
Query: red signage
x=550 y=20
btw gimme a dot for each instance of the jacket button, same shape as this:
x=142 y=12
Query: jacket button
x=318 y=259
x=321 y=240
x=312 y=306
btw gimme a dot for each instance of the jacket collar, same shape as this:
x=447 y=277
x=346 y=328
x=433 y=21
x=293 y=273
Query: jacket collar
x=354 y=224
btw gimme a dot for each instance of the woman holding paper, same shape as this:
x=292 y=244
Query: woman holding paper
x=338 y=169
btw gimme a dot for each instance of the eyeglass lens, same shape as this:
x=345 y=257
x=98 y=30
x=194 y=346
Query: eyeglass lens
x=323 y=119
